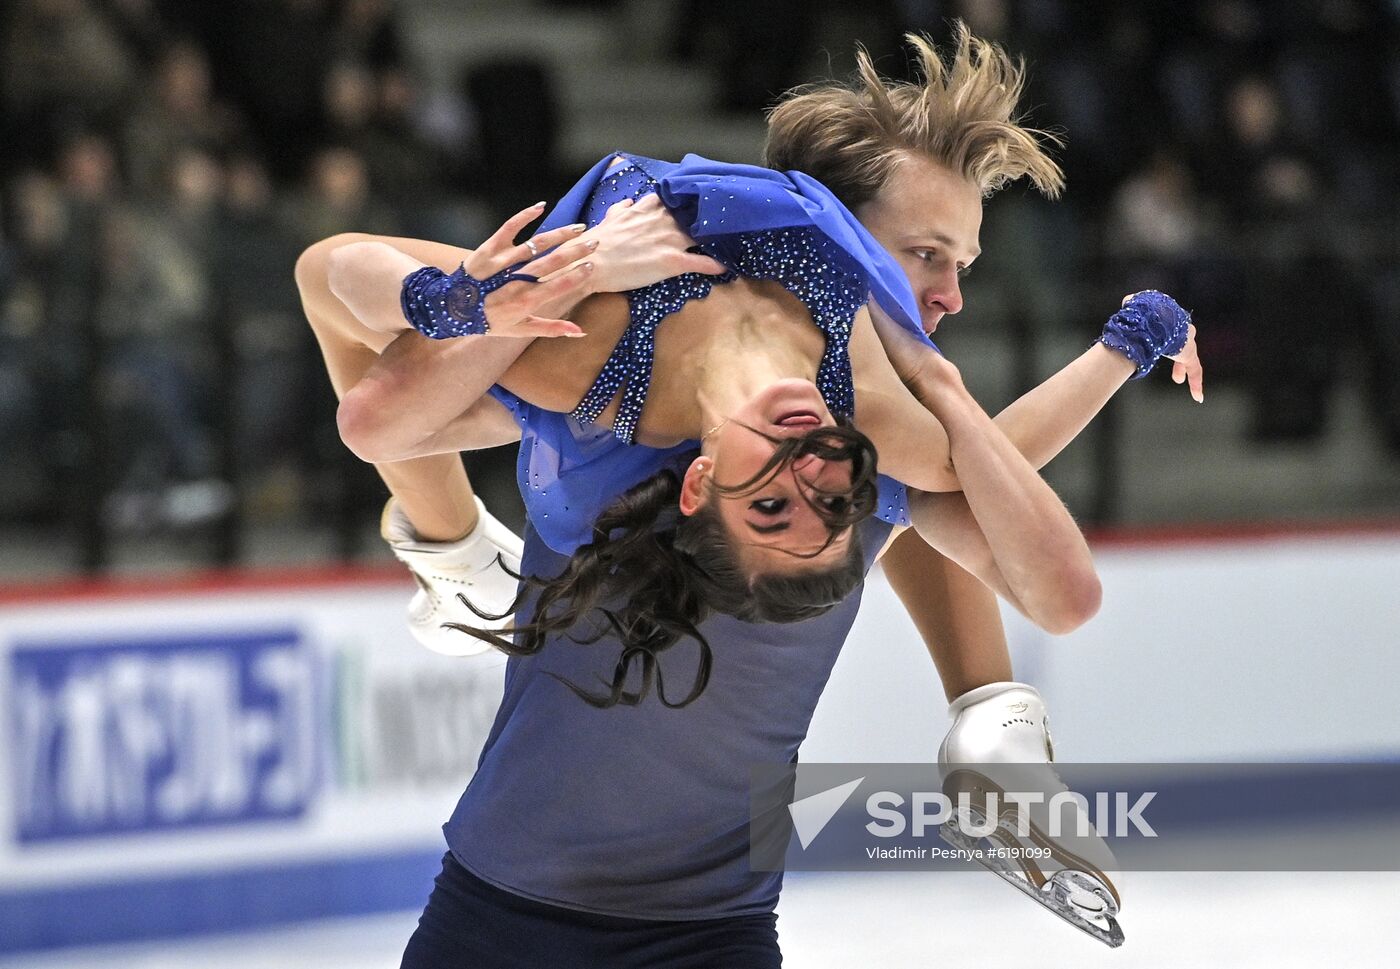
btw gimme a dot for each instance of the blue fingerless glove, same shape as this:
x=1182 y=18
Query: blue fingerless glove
x=1149 y=326
x=439 y=305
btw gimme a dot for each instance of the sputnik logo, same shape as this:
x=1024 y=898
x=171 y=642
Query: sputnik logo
x=812 y=813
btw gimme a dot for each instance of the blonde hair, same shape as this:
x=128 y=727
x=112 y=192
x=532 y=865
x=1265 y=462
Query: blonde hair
x=852 y=136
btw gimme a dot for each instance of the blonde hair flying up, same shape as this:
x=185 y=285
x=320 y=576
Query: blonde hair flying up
x=960 y=115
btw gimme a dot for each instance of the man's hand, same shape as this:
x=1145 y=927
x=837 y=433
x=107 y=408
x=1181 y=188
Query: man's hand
x=902 y=347
x=917 y=364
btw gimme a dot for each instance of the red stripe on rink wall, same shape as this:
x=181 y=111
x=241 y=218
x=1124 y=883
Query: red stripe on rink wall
x=207 y=581
x=1237 y=533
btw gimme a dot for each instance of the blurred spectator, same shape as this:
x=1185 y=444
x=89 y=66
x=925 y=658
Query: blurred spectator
x=59 y=222
x=271 y=351
x=335 y=197
x=63 y=66
x=350 y=98
x=160 y=354
x=179 y=111
x=368 y=115
x=270 y=57
x=36 y=293
x=21 y=479
x=369 y=33
x=987 y=18
x=140 y=25
x=1156 y=212
x=1158 y=237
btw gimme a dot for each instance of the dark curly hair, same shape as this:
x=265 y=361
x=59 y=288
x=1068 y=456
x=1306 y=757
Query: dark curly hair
x=666 y=573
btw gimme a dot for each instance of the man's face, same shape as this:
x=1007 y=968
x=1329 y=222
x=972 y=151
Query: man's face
x=929 y=219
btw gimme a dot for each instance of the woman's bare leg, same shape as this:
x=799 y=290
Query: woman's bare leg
x=426 y=378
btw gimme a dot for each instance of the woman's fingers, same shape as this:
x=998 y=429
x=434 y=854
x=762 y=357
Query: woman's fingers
x=503 y=239
x=1186 y=366
x=533 y=326
x=562 y=284
x=547 y=266
x=535 y=248
x=514 y=302
x=1196 y=378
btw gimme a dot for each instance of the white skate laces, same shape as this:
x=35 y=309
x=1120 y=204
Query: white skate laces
x=468 y=567
x=1000 y=742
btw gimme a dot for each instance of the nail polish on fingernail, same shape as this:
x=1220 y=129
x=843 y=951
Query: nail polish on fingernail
x=577 y=227
x=592 y=244
x=575 y=335
x=538 y=205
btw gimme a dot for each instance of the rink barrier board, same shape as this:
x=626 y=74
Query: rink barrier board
x=339 y=873
x=297 y=756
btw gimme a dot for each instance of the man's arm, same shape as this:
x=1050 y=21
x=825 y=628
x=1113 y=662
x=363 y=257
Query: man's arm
x=956 y=614
x=1006 y=526
x=1044 y=420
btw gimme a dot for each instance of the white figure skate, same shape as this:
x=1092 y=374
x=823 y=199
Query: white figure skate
x=448 y=572
x=1000 y=741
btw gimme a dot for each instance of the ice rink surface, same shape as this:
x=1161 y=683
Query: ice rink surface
x=1241 y=920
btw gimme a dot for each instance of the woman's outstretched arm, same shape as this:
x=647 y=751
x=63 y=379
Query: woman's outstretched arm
x=1042 y=422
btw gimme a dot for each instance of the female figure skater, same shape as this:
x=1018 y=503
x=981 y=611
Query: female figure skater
x=766 y=506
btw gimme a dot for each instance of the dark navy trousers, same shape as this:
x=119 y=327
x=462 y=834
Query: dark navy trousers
x=472 y=924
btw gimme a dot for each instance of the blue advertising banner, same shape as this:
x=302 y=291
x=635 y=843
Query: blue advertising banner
x=113 y=736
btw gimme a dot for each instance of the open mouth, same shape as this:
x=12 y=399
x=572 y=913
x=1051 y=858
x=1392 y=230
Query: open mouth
x=800 y=418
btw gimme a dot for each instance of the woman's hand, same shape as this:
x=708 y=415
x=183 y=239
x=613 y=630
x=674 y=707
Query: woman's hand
x=1186 y=366
x=637 y=244
x=525 y=309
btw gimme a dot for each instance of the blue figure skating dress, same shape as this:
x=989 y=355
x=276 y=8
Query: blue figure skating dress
x=759 y=224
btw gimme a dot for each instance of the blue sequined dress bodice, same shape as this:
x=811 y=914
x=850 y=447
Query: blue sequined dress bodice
x=803 y=260
x=758 y=223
